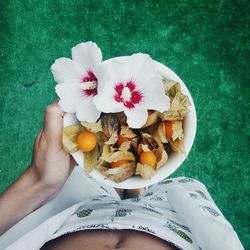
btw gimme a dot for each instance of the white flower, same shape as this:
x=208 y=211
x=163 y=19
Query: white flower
x=131 y=85
x=77 y=82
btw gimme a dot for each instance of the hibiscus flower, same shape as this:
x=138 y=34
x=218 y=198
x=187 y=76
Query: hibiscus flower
x=77 y=82
x=132 y=85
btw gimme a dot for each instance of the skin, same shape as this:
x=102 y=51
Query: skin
x=43 y=179
x=117 y=239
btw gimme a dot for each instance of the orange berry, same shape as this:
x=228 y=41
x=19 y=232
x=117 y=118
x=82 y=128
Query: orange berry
x=121 y=139
x=86 y=141
x=117 y=164
x=168 y=129
x=148 y=158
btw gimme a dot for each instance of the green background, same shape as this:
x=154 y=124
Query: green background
x=204 y=42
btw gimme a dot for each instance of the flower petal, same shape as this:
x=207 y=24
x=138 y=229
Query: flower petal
x=154 y=96
x=86 y=110
x=88 y=55
x=104 y=100
x=144 y=87
x=150 y=83
x=136 y=118
x=65 y=70
x=141 y=63
x=103 y=74
x=160 y=103
x=70 y=96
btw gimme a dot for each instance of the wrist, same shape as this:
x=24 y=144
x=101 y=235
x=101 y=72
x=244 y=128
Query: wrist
x=46 y=190
x=27 y=194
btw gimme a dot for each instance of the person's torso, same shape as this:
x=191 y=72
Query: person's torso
x=108 y=240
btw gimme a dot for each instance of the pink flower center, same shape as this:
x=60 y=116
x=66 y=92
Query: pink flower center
x=127 y=94
x=89 y=84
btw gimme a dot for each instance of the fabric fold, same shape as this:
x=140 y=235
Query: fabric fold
x=208 y=226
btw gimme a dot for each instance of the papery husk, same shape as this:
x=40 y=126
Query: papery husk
x=161 y=156
x=171 y=87
x=110 y=156
x=134 y=143
x=112 y=140
x=70 y=135
x=145 y=171
x=106 y=150
x=159 y=134
x=125 y=146
x=127 y=132
x=178 y=146
x=91 y=159
x=177 y=130
x=143 y=148
x=110 y=124
x=122 y=118
x=94 y=127
x=152 y=128
x=118 y=174
x=149 y=140
x=178 y=108
x=152 y=118
x=101 y=138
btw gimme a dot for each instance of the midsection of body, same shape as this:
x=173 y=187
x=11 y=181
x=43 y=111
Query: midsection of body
x=108 y=240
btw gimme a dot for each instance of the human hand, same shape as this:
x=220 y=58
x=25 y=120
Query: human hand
x=51 y=165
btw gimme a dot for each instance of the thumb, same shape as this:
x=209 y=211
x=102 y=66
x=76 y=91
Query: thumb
x=53 y=123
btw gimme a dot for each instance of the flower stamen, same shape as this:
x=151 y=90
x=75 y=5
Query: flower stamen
x=126 y=94
x=88 y=85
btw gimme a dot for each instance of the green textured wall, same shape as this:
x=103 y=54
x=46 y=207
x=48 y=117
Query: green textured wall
x=204 y=42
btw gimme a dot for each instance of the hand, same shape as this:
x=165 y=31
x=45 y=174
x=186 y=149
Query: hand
x=45 y=176
x=51 y=165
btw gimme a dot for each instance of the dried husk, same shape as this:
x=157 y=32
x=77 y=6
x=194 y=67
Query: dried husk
x=127 y=132
x=94 y=127
x=159 y=134
x=112 y=140
x=143 y=148
x=145 y=171
x=178 y=146
x=106 y=150
x=152 y=118
x=109 y=156
x=91 y=159
x=134 y=143
x=161 y=156
x=70 y=135
x=178 y=108
x=109 y=124
x=119 y=174
x=122 y=118
x=171 y=87
x=101 y=138
x=152 y=128
x=177 y=130
x=125 y=146
x=149 y=140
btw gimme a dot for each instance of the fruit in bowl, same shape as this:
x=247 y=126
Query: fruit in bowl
x=134 y=122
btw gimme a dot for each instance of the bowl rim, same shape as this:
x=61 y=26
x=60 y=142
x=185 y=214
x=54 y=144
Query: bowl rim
x=136 y=181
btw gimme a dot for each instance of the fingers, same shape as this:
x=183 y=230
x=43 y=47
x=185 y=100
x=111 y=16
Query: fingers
x=53 y=123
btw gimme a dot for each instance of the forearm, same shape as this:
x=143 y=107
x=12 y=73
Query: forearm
x=25 y=195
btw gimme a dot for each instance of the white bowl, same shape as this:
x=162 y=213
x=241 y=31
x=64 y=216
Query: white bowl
x=175 y=160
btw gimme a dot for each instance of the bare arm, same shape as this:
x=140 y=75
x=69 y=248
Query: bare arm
x=43 y=179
